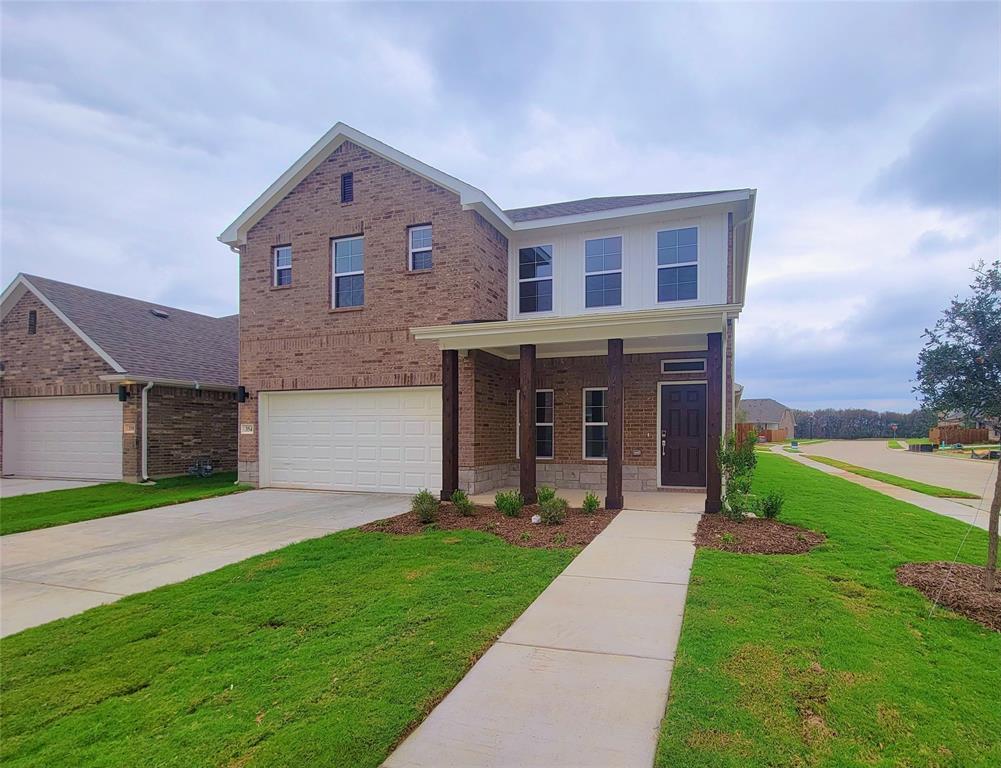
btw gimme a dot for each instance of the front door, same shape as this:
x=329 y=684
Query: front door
x=683 y=434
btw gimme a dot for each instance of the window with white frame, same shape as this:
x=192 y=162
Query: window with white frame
x=603 y=272
x=420 y=248
x=535 y=279
x=682 y=366
x=282 y=256
x=545 y=416
x=595 y=424
x=677 y=264
x=349 y=272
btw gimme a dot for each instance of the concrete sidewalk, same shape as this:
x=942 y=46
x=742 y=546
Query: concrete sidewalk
x=581 y=678
x=975 y=515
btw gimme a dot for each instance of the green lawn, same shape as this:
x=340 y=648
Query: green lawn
x=903 y=482
x=823 y=659
x=43 y=510
x=808 y=441
x=895 y=444
x=322 y=653
x=918 y=441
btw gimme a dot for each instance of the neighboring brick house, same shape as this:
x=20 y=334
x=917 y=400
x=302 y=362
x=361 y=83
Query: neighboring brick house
x=389 y=314
x=766 y=415
x=80 y=368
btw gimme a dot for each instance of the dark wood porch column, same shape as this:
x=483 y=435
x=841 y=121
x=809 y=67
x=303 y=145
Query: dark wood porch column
x=714 y=421
x=449 y=422
x=614 y=417
x=526 y=416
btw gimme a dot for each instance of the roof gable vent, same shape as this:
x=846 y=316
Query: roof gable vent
x=159 y=313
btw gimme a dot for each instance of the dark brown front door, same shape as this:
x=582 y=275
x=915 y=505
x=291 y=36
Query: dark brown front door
x=683 y=434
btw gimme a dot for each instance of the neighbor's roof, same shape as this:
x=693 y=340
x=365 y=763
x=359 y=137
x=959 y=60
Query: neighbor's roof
x=762 y=410
x=183 y=346
x=595 y=204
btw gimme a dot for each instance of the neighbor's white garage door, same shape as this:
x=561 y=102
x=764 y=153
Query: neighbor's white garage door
x=352 y=440
x=65 y=437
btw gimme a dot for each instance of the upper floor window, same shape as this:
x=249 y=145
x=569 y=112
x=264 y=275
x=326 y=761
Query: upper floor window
x=535 y=279
x=282 y=265
x=603 y=272
x=420 y=248
x=347 y=187
x=32 y=322
x=677 y=264
x=544 y=420
x=349 y=272
x=595 y=424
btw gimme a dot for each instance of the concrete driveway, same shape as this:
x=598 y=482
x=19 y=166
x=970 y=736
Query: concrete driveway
x=19 y=486
x=948 y=471
x=56 y=572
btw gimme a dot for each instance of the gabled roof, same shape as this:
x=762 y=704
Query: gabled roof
x=762 y=410
x=137 y=342
x=469 y=196
x=596 y=204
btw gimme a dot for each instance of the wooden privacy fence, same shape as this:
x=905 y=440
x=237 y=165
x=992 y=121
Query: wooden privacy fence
x=952 y=435
x=767 y=435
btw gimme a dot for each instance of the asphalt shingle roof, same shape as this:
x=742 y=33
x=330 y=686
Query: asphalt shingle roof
x=595 y=204
x=183 y=346
x=762 y=410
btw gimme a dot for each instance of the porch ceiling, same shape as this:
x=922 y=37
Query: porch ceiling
x=643 y=331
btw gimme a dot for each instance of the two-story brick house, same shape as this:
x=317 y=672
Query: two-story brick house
x=391 y=314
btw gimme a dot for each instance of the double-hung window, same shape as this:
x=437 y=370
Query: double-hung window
x=678 y=264
x=283 y=265
x=595 y=424
x=349 y=272
x=603 y=272
x=535 y=279
x=420 y=248
x=544 y=420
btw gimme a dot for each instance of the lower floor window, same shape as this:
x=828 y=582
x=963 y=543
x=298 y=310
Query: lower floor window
x=595 y=424
x=544 y=420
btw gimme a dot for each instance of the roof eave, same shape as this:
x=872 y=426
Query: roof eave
x=127 y=378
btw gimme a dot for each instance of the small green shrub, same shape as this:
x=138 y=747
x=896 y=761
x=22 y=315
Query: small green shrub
x=425 y=506
x=728 y=538
x=462 y=503
x=770 y=505
x=553 y=511
x=737 y=462
x=591 y=503
x=560 y=540
x=509 y=503
x=525 y=536
x=545 y=494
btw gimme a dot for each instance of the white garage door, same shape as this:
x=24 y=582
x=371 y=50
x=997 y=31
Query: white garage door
x=352 y=440
x=65 y=437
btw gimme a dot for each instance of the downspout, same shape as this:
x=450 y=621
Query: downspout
x=145 y=446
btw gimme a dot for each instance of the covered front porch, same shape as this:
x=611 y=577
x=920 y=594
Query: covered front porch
x=631 y=403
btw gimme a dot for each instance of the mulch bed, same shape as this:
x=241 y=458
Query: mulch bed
x=964 y=591
x=577 y=530
x=755 y=536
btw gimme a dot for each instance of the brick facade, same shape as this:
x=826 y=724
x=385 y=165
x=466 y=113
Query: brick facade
x=291 y=338
x=189 y=424
x=55 y=361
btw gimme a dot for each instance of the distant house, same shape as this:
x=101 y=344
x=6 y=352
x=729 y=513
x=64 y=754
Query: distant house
x=97 y=386
x=956 y=419
x=766 y=414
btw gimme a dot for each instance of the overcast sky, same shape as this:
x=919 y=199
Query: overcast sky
x=133 y=134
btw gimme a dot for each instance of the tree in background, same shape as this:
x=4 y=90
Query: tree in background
x=857 y=423
x=959 y=369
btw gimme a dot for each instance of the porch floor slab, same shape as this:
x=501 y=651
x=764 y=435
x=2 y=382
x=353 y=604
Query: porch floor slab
x=651 y=501
x=582 y=677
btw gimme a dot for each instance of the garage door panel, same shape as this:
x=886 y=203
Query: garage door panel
x=371 y=440
x=64 y=437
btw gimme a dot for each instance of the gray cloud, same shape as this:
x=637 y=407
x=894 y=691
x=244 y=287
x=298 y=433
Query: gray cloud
x=954 y=160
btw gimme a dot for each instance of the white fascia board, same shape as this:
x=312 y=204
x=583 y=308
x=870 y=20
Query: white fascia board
x=20 y=285
x=636 y=210
x=469 y=196
x=624 y=325
x=125 y=378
